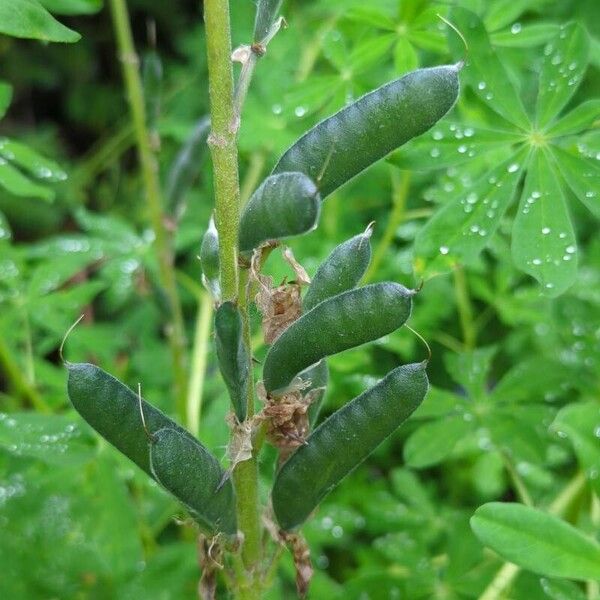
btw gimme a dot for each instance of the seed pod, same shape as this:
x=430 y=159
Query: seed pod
x=113 y=410
x=342 y=270
x=318 y=377
x=194 y=476
x=343 y=441
x=340 y=147
x=284 y=205
x=209 y=260
x=336 y=324
x=232 y=355
x=186 y=167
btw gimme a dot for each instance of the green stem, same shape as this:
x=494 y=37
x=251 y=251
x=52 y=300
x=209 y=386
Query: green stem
x=223 y=146
x=149 y=168
x=198 y=366
x=17 y=381
x=401 y=187
x=509 y=571
x=465 y=310
x=519 y=485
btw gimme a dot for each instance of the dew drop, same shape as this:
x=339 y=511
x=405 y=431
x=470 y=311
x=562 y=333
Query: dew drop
x=444 y=250
x=513 y=168
x=570 y=249
x=300 y=111
x=434 y=152
x=545 y=230
x=437 y=135
x=481 y=85
x=276 y=109
x=516 y=28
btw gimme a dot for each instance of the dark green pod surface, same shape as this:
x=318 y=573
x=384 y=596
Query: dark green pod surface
x=113 y=410
x=345 y=321
x=342 y=270
x=186 y=167
x=209 y=260
x=318 y=375
x=340 y=147
x=343 y=441
x=232 y=356
x=284 y=205
x=194 y=476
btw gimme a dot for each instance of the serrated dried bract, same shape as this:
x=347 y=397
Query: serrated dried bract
x=301 y=554
x=279 y=306
x=240 y=445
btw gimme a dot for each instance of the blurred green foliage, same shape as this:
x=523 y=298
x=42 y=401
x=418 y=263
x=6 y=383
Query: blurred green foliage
x=515 y=399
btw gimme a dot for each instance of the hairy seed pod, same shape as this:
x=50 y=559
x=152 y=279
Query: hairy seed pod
x=345 y=321
x=233 y=358
x=343 y=441
x=209 y=260
x=132 y=425
x=342 y=270
x=284 y=205
x=194 y=476
x=345 y=144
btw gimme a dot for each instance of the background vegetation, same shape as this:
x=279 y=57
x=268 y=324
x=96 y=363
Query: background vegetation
x=514 y=409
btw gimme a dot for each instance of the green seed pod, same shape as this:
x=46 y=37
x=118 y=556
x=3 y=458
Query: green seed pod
x=342 y=270
x=343 y=441
x=186 y=167
x=336 y=324
x=194 y=476
x=318 y=377
x=209 y=260
x=233 y=358
x=113 y=410
x=343 y=145
x=284 y=205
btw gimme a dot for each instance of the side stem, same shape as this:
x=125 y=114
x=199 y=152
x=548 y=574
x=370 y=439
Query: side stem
x=149 y=168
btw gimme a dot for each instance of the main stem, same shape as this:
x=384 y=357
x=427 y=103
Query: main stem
x=223 y=147
x=149 y=168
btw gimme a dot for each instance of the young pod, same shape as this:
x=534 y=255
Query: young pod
x=233 y=358
x=345 y=321
x=209 y=260
x=194 y=476
x=284 y=205
x=342 y=270
x=343 y=145
x=343 y=441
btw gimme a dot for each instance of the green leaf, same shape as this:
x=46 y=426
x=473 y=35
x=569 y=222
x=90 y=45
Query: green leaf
x=6 y=91
x=450 y=143
x=565 y=61
x=55 y=439
x=433 y=442
x=579 y=119
x=16 y=183
x=560 y=589
x=5 y=231
x=405 y=56
x=537 y=541
x=484 y=72
x=462 y=228
x=580 y=422
x=471 y=369
x=72 y=7
x=543 y=240
x=29 y=160
x=525 y=36
x=28 y=19
x=370 y=15
x=582 y=176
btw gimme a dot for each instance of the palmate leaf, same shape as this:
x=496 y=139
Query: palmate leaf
x=72 y=7
x=543 y=241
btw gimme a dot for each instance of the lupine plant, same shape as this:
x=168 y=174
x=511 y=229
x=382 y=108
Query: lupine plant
x=480 y=500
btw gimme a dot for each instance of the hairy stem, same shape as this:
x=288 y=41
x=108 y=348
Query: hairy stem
x=149 y=168
x=223 y=147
